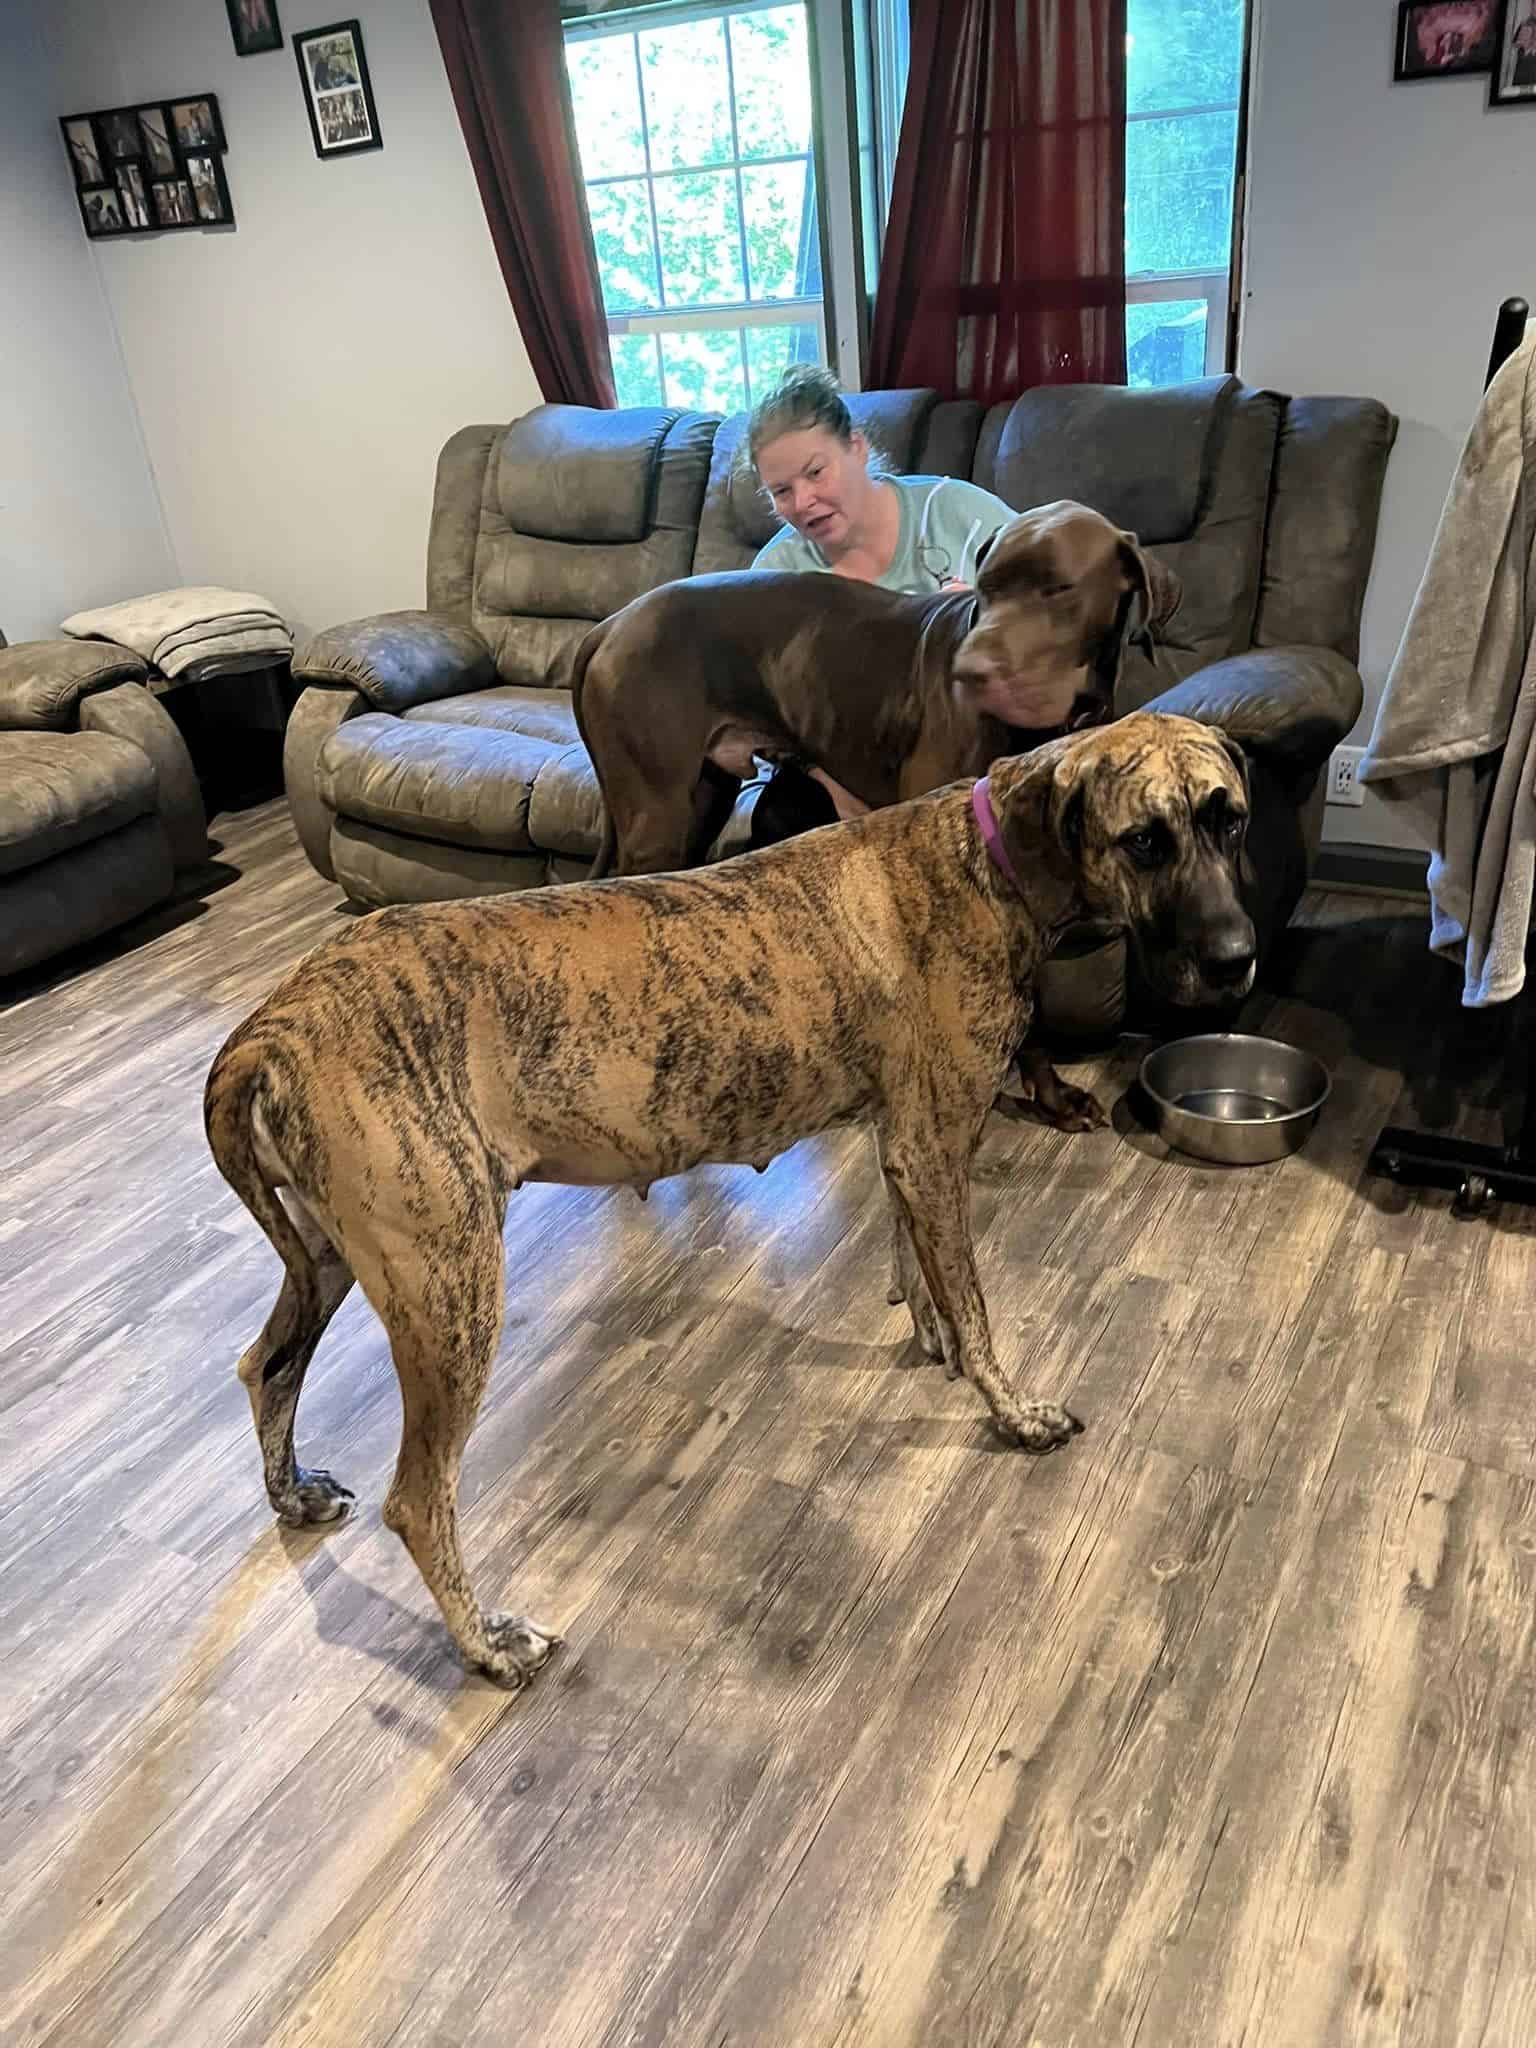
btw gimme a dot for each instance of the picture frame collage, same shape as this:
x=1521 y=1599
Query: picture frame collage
x=145 y=169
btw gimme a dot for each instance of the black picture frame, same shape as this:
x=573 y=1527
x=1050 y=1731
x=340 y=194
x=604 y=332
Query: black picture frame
x=338 y=92
x=205 y=174
x=101 y=209
x=253 y=36
x=173 y=204
x=1513 y=83
x=131 y=177
x=199 y=131
x=1472 y=58
x=158 y=138
x=87 y=152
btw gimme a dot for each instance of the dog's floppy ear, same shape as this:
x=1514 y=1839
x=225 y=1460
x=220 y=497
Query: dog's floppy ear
x=1156 y=590
x=983 y=550
x=1041 y=802
x=1237 y=755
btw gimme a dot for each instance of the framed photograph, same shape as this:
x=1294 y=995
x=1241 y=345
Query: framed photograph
x=86 y=152
x=174 y=204
x=1514 y=60
x=133 y=187
x=119 y=130
x=1444 y=38
x=195 y=124
x=210 y=192
x=337 y=90
x=253 y=24
x=155 y=132
x=101 y=207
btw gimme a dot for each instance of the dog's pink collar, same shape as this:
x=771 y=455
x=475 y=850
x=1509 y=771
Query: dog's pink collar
x=991 y=832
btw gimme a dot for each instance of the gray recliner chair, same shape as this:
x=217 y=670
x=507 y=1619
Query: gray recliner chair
x=99 y=804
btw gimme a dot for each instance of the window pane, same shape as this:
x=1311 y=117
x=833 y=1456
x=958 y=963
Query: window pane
x=626 y=256
x=605 y=93
x=1165 y=343
x=1183 y=53
x=770 y=350
x=773 y=82
x=703 y=370
x=782 y=250
x=1178 y=193
x=699 y=224
x=687 y=94
x=636 y=369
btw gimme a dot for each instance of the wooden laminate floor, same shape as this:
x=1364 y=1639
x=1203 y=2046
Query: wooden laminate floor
x=1217 y=1727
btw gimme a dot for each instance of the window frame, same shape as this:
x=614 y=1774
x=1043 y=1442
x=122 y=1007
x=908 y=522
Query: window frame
x=732 y=316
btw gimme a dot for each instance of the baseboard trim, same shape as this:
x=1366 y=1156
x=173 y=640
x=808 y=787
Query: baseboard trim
x=1384 y=870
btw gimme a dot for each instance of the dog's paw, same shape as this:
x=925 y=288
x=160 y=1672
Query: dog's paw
x=518 y=1648
x=1059 y=1104
x=1037 y=1425
x=314 y=1497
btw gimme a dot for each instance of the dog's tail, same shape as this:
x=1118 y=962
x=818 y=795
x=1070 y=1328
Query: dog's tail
x=602 y=866
x=238 y=1080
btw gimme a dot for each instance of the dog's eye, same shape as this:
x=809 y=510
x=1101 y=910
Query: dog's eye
x=1148 y=847
x=1235 y=826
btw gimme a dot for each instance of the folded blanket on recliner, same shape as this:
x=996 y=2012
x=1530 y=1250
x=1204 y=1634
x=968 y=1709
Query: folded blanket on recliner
x=174 y=628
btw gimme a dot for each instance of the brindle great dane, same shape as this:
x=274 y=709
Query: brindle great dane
x=375 y=1113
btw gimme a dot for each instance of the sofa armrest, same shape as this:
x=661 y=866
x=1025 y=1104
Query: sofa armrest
x=43 y=681
x=1291 y=705
x=398 y=659
x=129 y=712
x=310 y=724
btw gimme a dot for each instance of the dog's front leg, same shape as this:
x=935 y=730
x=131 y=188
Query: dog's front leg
x=934 y=1193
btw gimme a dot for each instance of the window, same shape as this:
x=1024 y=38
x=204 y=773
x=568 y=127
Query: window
x=1184 y=61
x=694 y=127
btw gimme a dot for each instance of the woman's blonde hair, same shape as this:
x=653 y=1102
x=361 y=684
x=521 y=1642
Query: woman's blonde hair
x=807 y=395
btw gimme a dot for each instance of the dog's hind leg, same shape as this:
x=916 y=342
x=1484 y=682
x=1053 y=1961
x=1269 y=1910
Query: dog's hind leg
x=907 y=1282
x=935 y=1194
x=441 y=1300
x=272 y=1372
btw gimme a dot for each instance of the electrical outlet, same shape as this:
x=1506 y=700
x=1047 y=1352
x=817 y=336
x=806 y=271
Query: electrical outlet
x=1344 y=784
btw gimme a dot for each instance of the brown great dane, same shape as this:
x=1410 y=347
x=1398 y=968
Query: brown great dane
x=376 y=1112
x=887 y=695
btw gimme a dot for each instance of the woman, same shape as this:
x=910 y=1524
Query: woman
x=844 y=516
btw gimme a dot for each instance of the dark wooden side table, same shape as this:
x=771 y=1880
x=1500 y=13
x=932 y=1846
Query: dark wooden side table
x=233 y=726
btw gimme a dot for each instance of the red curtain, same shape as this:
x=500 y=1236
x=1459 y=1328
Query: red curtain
x=506 y=68
x=1004 y=259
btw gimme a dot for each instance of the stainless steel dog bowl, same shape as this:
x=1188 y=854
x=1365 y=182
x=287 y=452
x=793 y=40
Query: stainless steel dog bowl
x=1238 y=1100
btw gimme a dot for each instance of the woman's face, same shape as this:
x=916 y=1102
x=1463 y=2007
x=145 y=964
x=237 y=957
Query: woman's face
x=817 y=483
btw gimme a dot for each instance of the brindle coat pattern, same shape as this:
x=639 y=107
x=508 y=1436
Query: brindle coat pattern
x=403 y=1080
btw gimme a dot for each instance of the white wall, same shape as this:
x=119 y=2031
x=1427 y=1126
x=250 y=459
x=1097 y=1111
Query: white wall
x=297 y=375
x=79 y=519
x=1386 y=224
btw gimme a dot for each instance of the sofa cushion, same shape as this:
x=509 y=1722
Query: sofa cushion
x=1142 y=458
x=60 y=789
x=467 y=785
x=539 y=714
x=1330 y=465
x=535 y=591
x=572 y=472
x=565 y=812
